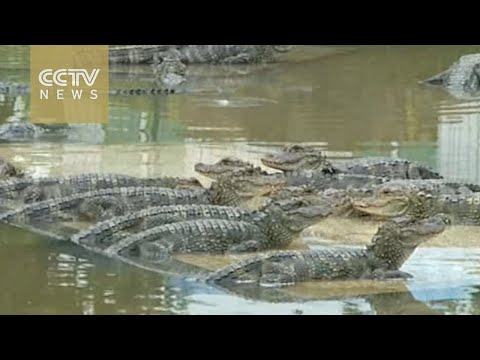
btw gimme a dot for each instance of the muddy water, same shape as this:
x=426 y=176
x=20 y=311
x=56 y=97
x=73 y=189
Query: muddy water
x=351 y=101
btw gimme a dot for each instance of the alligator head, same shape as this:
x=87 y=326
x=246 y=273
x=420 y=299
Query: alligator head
x=170 y=72
x=462 y=78
x=397 y=239
x=223 y=167
x=296 y=157
x=296 y=214
x=254 y=182
x=394 y=204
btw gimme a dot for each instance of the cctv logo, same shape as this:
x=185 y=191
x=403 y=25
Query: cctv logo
x=69 y=84
x=48 y=77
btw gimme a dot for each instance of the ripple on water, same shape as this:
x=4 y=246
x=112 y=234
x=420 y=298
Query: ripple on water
x=235 y=102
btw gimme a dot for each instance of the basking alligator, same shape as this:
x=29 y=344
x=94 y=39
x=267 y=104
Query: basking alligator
x=202 y=54
x=274 y=227
x=296 y=157
x=391 y=246
x=110 y=202
x=29 y=189
x=224 y=167
x=262 y=183
x=462 y=79
x=110 y=231
x=403 y=187
x=463 y=209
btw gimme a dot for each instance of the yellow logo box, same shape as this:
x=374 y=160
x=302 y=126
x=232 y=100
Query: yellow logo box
x=69 y=83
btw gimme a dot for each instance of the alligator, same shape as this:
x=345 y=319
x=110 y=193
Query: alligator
x=346 y=190
x=200 y=54
x=429 y=186
x=224 y=167
x=463 y=209
x=297 y=157
x=8 y=170
x=111 y=230
x=392 y=245
x=106 y=203
x=462 y=79
x=30 y=189
x=256 y=181
x=274 y=228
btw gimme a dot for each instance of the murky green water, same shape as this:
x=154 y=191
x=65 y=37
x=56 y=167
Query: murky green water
x=350 y=100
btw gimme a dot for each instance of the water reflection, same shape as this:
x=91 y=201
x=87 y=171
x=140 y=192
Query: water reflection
x=55 y=278
x=459 y=140
x=42 y=276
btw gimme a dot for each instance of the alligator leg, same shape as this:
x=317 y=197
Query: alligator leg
x=34 y=194
x=155 y=251
x=390 y=274
x=37 y=193
x=103 y=208
x=246 y=246
x=277 y=274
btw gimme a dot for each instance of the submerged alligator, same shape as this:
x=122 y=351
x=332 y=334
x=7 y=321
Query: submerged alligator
x=212 y=54
x=462 y=79
x=391 y=246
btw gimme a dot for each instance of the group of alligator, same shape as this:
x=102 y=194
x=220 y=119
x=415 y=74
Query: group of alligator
x=247 y=210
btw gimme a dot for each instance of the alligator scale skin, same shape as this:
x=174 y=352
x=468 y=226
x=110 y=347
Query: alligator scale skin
x=106 y=203
x=463 y=209
x=391 y=246
x=29 y=189
x=296 y=157
x=215 y=230
x=109 y=231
